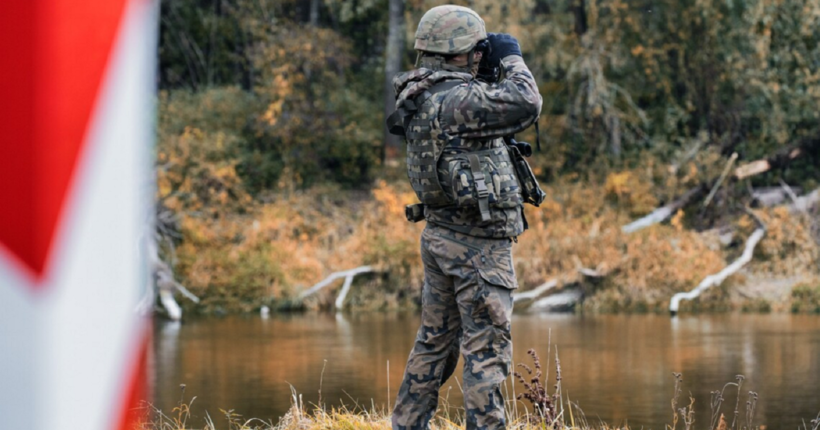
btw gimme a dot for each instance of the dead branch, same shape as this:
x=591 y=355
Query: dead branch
x=718 y=278
x=803 y=204
x=720 y=180
x=661 y=214
x=347 y=274
x=779 y=158
x=770 y=196
x=535 y=292
x=163 y=284
x=562 y=301
x=591 y=273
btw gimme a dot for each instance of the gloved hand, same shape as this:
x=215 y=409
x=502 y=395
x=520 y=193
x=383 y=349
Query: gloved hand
x=502 y=45
x=524 y=148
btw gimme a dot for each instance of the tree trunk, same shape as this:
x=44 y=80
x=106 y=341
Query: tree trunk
x=314 y=13
x=392 y=65
x=579 y=11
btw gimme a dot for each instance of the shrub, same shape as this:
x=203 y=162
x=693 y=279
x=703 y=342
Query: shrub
x=806 y=299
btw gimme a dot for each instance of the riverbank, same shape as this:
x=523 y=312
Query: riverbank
x=339 y=419
x=539 y=410
x=344 y=419
x=616 y=367
x=282 y=244
x=242 y=238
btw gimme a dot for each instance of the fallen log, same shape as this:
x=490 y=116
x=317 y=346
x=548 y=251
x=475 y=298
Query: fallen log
x=661 y=214
x=163 y=284
x=718 y=278
x=803 y=204
x=347 y=274
x=770 y=196
x=535 y=292
x=780 y=158
x=720 y=180
x=564 y=301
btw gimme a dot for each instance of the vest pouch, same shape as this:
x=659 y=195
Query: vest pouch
x=478 y=176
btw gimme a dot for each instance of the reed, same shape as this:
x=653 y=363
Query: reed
x=546 y=411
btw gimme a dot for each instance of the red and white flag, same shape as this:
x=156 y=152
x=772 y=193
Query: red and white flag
x=76 y=130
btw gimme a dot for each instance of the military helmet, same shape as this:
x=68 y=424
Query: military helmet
x=449 y=30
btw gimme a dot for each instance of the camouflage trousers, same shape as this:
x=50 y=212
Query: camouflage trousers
x=466 y=307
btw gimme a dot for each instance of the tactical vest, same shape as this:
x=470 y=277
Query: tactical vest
x=442 y=171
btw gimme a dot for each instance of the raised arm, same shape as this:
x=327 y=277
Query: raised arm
x=481 y=110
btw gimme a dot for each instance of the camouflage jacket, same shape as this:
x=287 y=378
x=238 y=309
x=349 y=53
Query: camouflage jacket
x=470 y=117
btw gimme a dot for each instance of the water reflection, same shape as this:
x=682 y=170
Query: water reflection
x=617 y=368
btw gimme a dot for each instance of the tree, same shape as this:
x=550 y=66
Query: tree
x=394 y=51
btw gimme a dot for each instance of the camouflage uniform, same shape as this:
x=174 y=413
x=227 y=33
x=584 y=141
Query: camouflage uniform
x=469 y=275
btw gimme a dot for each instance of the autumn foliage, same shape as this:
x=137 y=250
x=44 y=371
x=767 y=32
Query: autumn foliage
x=270 y=138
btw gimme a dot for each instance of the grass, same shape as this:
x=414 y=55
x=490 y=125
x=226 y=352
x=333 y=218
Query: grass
x=806 y=299
x=273 y=251
x=545 y=411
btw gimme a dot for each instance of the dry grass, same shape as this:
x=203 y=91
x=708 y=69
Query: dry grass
x=239 y=253
x=547 y=412
x=549 y=415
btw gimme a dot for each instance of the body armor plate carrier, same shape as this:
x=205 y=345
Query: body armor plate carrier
x=444 y=173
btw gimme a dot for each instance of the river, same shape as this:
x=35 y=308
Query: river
x=617 y=368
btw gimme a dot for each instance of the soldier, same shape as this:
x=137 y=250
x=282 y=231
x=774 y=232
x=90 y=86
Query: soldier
x=471 y=198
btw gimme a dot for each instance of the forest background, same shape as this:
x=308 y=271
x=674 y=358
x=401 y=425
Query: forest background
x=274 y=170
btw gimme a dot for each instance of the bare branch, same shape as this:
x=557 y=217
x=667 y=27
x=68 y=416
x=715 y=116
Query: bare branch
x=347 y=274
x=536 y=292
x=661 y=214
x=718 y=278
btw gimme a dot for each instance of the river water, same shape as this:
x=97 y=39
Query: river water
x=617 y=368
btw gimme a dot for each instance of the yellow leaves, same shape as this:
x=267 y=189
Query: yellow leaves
x=677 y=220
x=631 y=191
x=163 y=186
x=575 y=225
x=391 y=200
x=746 y=223
x=637 y=50
x=273 y=112
x=788 y=247
x=616 y=183
x=280 y=88
x=691 y=173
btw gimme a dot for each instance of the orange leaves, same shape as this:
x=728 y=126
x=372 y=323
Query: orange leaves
x=617 y=183
x=391 y=200
x=788 y=247
x=631 y=191
x=575 y=227
x=677 y=220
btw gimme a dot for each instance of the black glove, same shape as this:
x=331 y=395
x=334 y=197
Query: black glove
x=502 y=45
x=523 y=147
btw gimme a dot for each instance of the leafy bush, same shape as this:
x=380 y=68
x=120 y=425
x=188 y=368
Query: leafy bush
x=806 y=298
